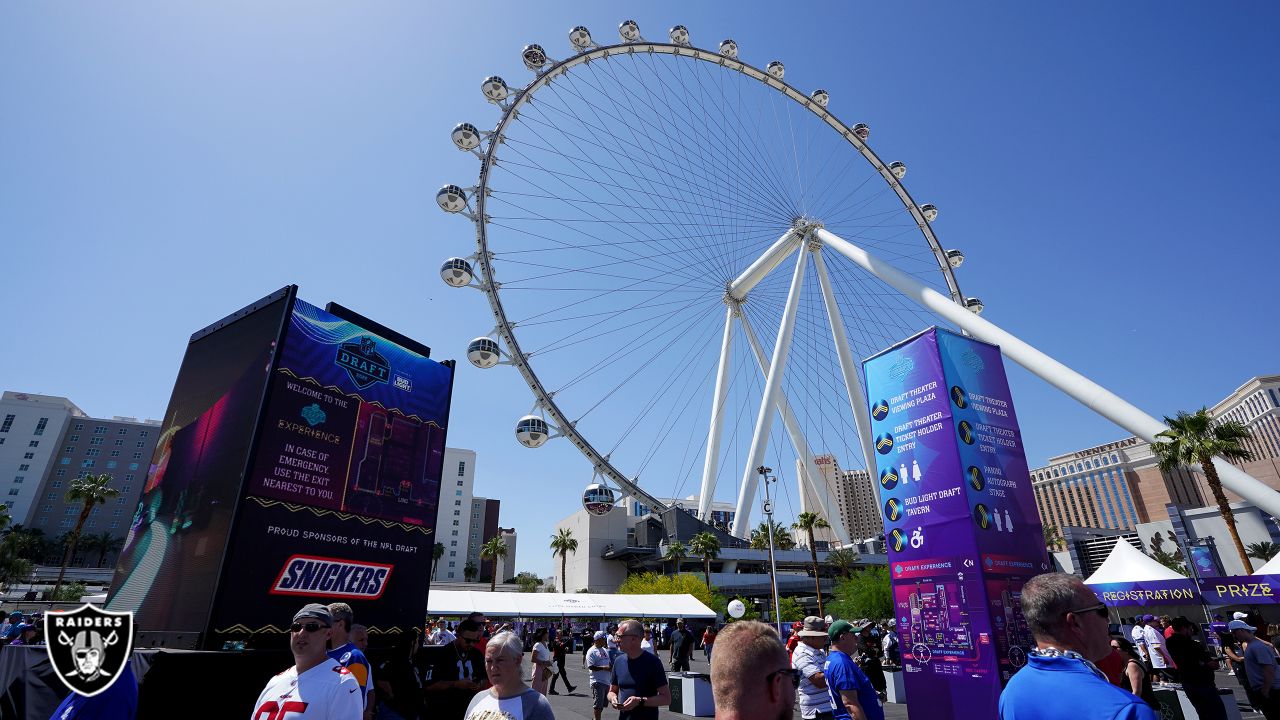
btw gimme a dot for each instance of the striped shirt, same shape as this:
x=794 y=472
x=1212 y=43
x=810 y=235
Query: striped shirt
x=809 y=662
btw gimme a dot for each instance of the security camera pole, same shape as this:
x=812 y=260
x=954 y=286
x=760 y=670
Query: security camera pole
x=773 y=567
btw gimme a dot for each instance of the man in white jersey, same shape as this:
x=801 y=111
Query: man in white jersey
x=1157 y=655
x=316 y=687
x=1139 y=636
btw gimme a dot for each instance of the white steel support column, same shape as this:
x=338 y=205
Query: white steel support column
x=772 y=384
x=740 y=286
x=798 y=441
x=1093 y=396
x=849 y=369
x=710 y=465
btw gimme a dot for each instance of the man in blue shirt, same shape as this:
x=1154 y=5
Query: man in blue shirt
x=852 y=696
x=639 y=684
x=1070 y=626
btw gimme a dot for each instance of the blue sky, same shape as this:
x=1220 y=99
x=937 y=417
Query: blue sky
x=1108 y=170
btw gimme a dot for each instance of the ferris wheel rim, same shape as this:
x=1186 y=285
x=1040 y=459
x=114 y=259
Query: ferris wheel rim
x=484 y=256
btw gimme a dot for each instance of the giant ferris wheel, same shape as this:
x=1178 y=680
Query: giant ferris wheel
x=685 y=256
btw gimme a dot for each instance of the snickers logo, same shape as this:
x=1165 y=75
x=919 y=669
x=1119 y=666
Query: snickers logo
x=331 y=577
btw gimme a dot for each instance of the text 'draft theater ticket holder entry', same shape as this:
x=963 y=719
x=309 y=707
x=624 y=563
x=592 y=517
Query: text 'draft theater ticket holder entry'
x=959 y=513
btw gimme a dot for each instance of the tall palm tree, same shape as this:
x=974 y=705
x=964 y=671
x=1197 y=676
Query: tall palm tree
x=706 y=545
x=493 y=550
x=782 y=539
x=676 y=552
x=842 y=561
x=91 y=491
x=563 y=543
x=1198 y=438
x=808 y=522
x=470 y=571
x=437 y=552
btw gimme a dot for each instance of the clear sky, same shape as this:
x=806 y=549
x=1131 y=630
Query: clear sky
x=1108 y=169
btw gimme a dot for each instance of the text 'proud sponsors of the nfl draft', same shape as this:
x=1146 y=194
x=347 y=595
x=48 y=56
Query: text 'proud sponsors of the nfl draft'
x=345 y=481
x=959 y=516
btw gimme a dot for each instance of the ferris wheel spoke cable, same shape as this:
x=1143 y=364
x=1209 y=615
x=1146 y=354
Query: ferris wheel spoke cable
x=576 y=337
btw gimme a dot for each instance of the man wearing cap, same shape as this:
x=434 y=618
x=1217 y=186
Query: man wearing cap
x=316 y=687
x=852 y=696
x=1060 y=680
x=345 y=652
x=809 y=659
x=600 y=663
x=1259 y=668
x=1195 y=670
x=681 y=647
x=26 y=634
x=889 y=644
x=1157 y=654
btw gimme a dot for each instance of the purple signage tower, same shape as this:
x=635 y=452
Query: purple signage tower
x=960 y=517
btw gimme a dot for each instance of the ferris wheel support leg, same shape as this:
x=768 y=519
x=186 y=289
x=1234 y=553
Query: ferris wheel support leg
x=740 y=286
x=1090 y=394
x=848 y=368
x=709 y=467
x=772 y=386
x=798 y=441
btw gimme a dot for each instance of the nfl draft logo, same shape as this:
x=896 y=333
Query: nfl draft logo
x=88 y=647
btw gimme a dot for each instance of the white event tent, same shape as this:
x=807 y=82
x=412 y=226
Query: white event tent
x=1127 y=564
x=518 y=604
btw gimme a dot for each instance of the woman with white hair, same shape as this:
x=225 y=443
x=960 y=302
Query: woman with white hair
x=508 y=697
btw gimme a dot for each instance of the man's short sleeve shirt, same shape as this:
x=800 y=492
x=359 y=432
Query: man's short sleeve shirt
x=350 y=657
x=813 y=699
x=642 y=676
x=598 y=657
x=843 y=675
x=1155 y=641
x=327 y=691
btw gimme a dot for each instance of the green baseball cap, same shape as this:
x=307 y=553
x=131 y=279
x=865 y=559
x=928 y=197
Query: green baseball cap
x=838 y=628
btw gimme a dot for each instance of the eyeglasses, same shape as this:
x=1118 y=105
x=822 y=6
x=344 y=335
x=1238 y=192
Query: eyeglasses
x=1100 y=610
x=489 y=661
x=469 y=640
x=792 y=673
x=622 y=635
x=309 y=627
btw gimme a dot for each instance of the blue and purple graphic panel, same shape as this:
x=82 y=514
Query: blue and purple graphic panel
x=961 y=525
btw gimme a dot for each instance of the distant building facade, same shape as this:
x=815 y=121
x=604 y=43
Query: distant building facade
x=120 y=447
x=1256 y=405
x=484 y=527
x=453 y=517
x=30 y=428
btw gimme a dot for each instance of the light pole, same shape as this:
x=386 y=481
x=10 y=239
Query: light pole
x=767 y=479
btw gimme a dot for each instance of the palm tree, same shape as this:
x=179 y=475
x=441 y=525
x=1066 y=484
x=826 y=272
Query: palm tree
x=1197 y=438
x=437 y=552
x=493 y=550
x=808 y=522
x=563 y=543
x=707 y=545
x=676 y=552
x=1052 y=538
x=782 y=539
x=842 y=561
x=104 y=543
x=469 y=571
x=92 y=491
x=1263 y=551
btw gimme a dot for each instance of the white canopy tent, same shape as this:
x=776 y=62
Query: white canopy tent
x=1271 y=568
x=517 y=604
x=1127 y=564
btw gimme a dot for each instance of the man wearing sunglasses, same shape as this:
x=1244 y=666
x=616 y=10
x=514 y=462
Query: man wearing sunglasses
x=316 y=687
x=1060 y=680
x=452 y=674
x=639 y=684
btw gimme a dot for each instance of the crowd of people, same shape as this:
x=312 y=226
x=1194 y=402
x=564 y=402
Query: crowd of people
x=477 y=669
x=20 y=628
